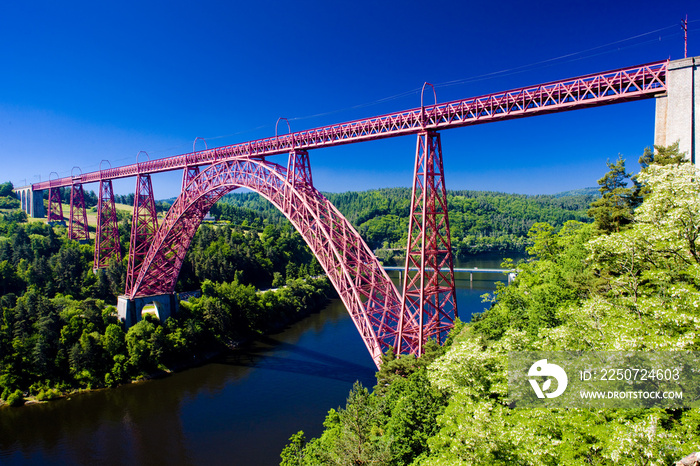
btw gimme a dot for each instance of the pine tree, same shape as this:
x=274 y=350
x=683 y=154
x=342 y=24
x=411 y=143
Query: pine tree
x=615 y=208
x=663 y=155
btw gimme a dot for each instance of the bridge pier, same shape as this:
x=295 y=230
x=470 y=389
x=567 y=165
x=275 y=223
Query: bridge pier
x=677 y=108
x=31 y=202
x=78 y=228
x=384 y=318
x=130 y=311
x=428 y=301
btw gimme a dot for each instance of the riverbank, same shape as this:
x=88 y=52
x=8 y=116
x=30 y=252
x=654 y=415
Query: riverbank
x=153 y=349
x=240 y=408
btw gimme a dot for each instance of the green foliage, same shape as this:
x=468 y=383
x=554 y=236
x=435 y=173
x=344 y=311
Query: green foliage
x=16 y=398
x=391 y=425
x=614 y=209
x=8 y=199
x=9 y=202
x=411 y=408
x=585 y=288
x=558 y=278
x=353 y=434
x=6 y=189
x=662 y=155
x=140 y=341
x=544 y=244
x=226 y=253
x=479 y=221
x=90 y=197
x=57 y=334
x=48 y=394
x=231 y=312
x=15 y=216
x=293 y=453
x=47 y=343
x=632 y=289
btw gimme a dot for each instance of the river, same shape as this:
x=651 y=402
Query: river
x=238 y=410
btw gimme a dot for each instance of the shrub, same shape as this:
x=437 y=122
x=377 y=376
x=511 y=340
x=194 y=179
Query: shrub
x=16 y=398
x=48 y=394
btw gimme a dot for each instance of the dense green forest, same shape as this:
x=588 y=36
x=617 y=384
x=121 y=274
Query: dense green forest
x=59 y=331
x=479 y=220
x=627 y=282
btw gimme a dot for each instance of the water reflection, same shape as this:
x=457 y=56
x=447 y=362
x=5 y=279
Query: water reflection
x=107 y=427
x=239 y=409
x=314 y=363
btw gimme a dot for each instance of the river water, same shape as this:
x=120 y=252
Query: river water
x=238 y=410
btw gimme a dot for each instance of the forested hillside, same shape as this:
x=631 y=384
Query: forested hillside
x=479 y=220
x=58 y=325
x=628 y=282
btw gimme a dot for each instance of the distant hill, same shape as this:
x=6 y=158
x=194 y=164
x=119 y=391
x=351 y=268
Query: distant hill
x=591 y=191
x=479 y=220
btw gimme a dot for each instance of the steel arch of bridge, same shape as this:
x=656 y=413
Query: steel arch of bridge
x=370 y=297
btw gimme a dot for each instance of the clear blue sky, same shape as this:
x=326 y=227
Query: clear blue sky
x=86 y=81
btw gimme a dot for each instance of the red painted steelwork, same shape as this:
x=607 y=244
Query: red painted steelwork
x=77 y=224
x=55 y=206
x=383 y=318
x=107 y=244
x=626 y=84
x=192 y=169
x=366 y=290
x=144 y=225
x=428 y=304
x=189 y=174
x=299 y=168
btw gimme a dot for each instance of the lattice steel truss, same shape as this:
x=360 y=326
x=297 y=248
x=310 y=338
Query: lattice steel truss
x=299 y=169
x=55 y=207
x=191 y=169
x=188 y=174
x=144 y=225
x=78 y=225
x=107 y=245
x=383 y=318
x=366 y=290
x=626 y=84
x=428 y=304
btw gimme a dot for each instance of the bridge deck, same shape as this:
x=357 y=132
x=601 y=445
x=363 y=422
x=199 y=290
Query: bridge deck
x=446 y=269
x=625 y=84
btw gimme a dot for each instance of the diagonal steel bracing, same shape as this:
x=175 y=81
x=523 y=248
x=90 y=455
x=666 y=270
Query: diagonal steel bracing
x=144 y=224
x=609 y=87
x=107 y=245
x=55 y=207
x=428 y=305
x=385 y=320
x=366 y=290
x=77 y=224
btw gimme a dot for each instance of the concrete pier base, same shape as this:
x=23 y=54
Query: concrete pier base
x=131 y=311
x=676 y=110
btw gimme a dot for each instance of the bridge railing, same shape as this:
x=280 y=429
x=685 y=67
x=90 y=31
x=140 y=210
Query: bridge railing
x=624 y=84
